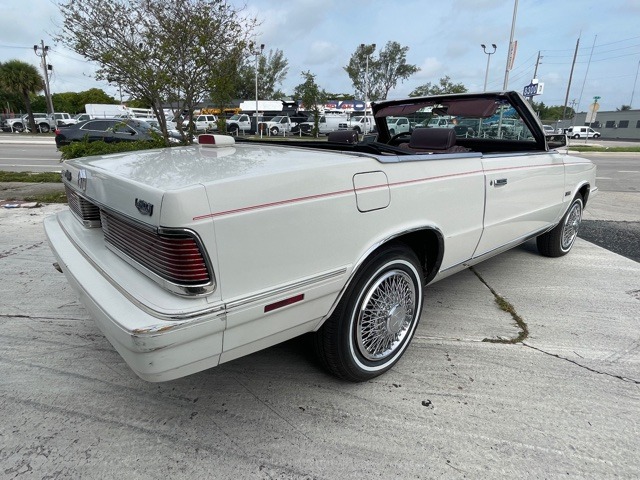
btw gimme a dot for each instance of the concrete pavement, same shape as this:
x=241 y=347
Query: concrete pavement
x=27 y=139
x=564 y=402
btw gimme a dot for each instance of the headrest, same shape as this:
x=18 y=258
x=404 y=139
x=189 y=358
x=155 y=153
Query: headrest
x=343 y=136
x=432 y=138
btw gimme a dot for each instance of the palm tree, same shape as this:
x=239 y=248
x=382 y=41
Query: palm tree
x=23 y=79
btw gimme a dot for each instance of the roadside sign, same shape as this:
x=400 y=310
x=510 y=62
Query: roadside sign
x=533 y=89
x=593 y=110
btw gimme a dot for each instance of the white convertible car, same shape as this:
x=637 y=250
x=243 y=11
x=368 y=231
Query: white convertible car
x=188 y=257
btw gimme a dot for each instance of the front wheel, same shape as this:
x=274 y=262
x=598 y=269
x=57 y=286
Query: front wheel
x=558 y=242
x=597 y=135
x=274 y=131
x=18 y=127
x=44 y=127
x=376 y=318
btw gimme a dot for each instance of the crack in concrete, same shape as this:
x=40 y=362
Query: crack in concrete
x=593 y=370
x=524 y=333
x=505 y=306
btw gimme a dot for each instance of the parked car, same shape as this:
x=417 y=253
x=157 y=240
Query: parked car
x=105 y=129
x=195 y=256
x=582 y=132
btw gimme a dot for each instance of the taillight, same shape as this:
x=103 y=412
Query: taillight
x=57 y=131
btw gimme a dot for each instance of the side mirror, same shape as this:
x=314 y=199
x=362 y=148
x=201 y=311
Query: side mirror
x=556 y=140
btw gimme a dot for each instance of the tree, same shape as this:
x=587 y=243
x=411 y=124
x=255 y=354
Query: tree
x=222 y=87
x=384 y=71
x=444 y=86
x=23 y=79
x=623 y=108
x=312 y=97
x=553 y=113
x=272 y=70
x=157 y=51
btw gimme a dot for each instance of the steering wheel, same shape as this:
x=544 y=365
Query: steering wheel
x=397 y=136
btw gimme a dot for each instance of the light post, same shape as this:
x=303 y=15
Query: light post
x=634 y=85
x=484 y=49
x=257 y=53
x=45 y=67
x=366 y=82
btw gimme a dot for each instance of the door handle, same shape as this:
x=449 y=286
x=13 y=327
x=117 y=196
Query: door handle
x=500 y=182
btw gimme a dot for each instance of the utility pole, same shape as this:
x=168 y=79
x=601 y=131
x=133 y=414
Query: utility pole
x=535 y=71
x=573 y=64
x=511 y=53
x=45 y=68
x=256 y=52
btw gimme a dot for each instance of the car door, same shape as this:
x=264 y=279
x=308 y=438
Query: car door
x=524 y=195
x=121 y=132
x=96 y=130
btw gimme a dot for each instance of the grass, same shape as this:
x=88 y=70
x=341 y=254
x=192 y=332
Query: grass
x=59 y=197
x=585 y=148
x=30 y=177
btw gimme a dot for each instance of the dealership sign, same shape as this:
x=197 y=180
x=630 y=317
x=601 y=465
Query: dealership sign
x=533 y=89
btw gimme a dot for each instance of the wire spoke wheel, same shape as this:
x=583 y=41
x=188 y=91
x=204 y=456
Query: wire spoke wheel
x=571 y=225
x=376 y=318
x=559 y=240
x=385 y=315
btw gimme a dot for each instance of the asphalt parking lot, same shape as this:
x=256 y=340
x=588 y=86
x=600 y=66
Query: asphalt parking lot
x=563 y=402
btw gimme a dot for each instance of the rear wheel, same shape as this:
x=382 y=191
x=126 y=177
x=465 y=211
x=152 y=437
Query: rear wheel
x=376 y=318
x=577 y=135
x=18 y=127
x=558 y=242
x=44 y=127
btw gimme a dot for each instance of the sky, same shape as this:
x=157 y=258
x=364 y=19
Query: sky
x=443 y=36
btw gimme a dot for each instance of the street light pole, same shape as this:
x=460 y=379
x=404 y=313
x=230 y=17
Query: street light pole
x=257 y=53
x=634 y=86
x=45 y=68
x=486 y=75
x=366 y=82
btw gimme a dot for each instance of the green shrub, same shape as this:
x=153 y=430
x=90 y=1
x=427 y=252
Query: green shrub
x=85 y=148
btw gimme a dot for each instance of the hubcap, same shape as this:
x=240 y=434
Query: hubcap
x=571 y=226
x=386 y=315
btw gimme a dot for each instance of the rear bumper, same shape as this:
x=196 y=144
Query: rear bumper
x=156 y=348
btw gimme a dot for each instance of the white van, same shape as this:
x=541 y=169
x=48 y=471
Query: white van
x=582 y=132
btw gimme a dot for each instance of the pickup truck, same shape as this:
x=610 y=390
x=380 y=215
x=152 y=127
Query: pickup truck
x=397 y=125
x=205 y=123
x=194 y=256
x=277 y=125
x=326 y=124
x=44 y=123
x=61 y=119
x=360 y=124
x=239 y=121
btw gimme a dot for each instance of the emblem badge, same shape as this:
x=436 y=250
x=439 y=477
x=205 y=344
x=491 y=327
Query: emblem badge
x=82 y=179
x=145 y=208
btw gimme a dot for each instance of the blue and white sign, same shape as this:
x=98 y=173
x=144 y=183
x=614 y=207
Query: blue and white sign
x=533 y=89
